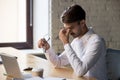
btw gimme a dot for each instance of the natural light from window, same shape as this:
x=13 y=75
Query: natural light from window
x=12 y=21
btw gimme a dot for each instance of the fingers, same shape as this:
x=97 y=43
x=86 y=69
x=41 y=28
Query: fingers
x=67 y=32
x=41 y=43
x=64 y=35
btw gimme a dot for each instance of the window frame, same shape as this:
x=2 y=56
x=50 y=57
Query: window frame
x=29 y=30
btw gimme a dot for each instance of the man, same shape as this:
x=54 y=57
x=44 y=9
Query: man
x=86 y=53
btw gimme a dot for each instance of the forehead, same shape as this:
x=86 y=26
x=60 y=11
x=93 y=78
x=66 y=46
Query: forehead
x=69 y=25
x=66 y=25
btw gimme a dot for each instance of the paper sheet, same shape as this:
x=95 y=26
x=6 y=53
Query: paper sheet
x=49 y=78
x=0 y=60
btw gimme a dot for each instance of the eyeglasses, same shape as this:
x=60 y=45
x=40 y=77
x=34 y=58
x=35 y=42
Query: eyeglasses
x=46 y=37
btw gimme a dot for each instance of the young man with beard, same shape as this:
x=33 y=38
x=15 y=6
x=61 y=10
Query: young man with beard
x=86 y=53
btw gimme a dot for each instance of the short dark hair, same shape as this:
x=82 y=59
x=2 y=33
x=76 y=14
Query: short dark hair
x=73 y=13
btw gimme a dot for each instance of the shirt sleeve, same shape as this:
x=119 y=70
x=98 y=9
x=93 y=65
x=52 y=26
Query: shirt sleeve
x=90 y=57
x=56 y=60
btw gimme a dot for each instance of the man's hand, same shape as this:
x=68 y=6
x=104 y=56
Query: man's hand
x=64 y=35
x=42 y=43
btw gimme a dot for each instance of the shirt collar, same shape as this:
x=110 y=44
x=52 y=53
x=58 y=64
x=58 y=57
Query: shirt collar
x=87 y=35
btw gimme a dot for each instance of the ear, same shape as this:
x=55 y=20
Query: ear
x=83 y=22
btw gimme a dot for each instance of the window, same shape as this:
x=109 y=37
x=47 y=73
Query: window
x=22 y=39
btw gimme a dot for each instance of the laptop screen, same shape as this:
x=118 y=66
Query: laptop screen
x=11 y=65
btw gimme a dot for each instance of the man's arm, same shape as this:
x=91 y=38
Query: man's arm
x=56 y=60
x=91 y=56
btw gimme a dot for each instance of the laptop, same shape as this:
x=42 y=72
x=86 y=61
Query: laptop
x=11 y=66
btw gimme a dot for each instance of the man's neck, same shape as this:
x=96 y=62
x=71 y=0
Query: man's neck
x=84 y=31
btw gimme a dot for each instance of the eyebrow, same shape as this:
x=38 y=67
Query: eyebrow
x=71 y=27
x=68 y=27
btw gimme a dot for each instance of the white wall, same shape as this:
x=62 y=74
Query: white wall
x=41 y=20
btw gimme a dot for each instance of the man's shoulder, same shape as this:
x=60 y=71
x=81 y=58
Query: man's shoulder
x=96 y=37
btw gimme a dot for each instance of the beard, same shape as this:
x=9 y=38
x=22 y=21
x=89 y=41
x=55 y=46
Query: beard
x=74 y=35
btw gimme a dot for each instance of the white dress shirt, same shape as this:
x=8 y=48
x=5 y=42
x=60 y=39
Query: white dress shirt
x=86 y=55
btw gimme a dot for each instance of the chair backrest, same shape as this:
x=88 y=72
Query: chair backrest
x=113 y=64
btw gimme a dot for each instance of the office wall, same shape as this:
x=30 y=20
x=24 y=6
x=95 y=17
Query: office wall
x=40 y=21
x=102 y=15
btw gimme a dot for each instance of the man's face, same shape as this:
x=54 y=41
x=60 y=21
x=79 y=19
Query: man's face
x=75 y=28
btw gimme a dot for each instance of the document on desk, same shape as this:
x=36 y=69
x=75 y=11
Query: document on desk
x=0 y=60
x=49 y=78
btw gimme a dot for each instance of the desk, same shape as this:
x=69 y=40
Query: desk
x=25 y=60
